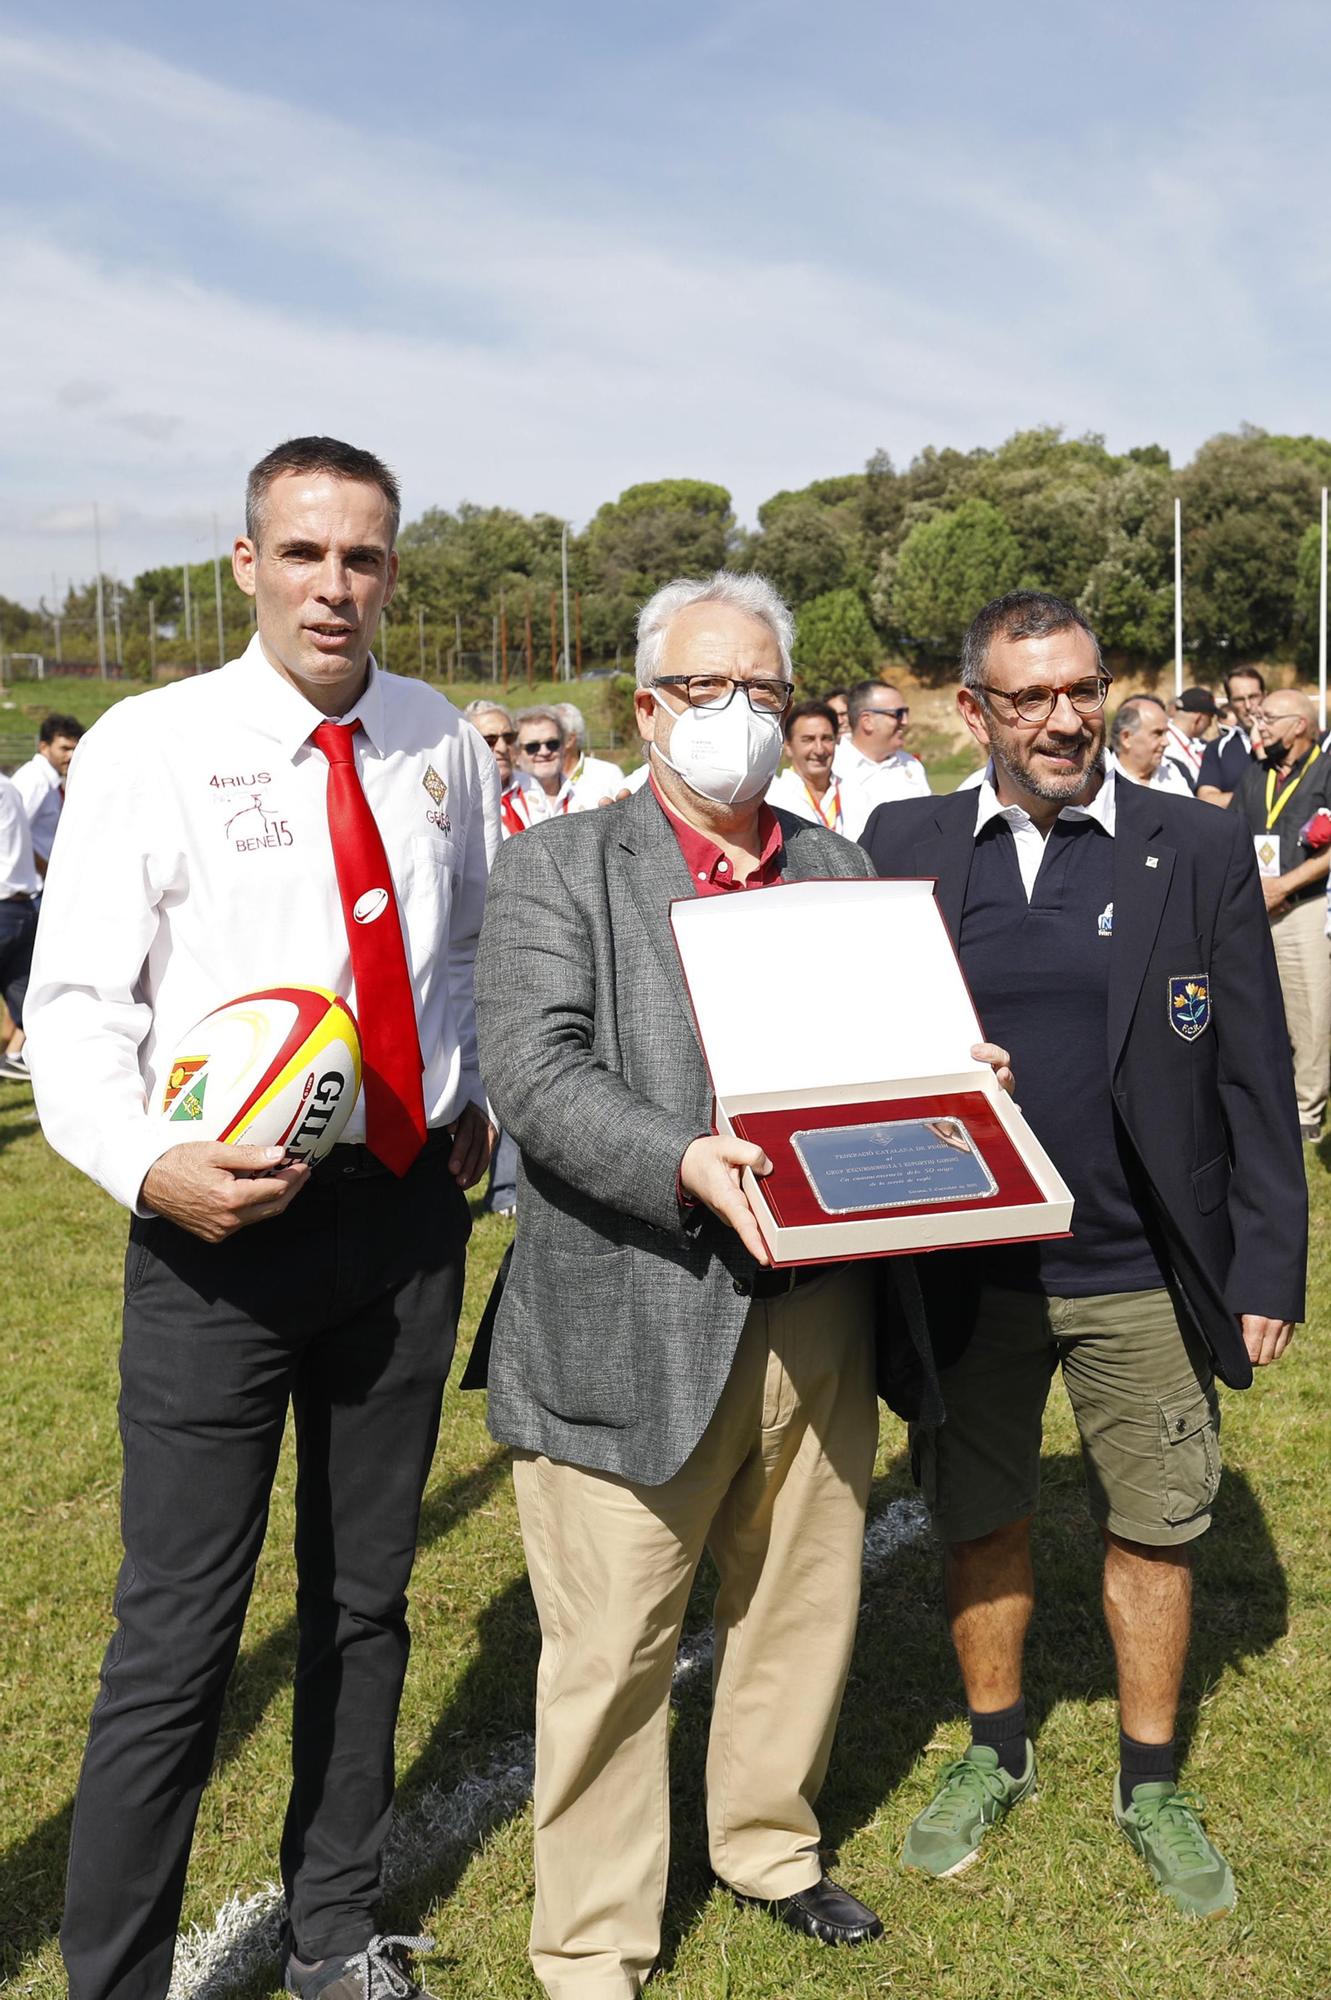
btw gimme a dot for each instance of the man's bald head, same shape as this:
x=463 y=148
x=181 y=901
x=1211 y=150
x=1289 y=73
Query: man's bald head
x=1286 y=723
x=1289 y=701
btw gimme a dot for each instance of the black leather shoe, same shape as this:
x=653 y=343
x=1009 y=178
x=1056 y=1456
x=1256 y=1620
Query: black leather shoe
x=824 y=1912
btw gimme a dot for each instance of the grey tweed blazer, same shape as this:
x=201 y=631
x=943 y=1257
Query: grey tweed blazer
x=620 y=1317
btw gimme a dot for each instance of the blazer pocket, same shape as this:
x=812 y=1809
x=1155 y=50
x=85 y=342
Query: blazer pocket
x=1210 y=1184
x=583 y=1371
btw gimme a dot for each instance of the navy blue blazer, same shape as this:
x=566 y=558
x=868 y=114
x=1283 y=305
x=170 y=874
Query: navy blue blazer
x=1213 y=1120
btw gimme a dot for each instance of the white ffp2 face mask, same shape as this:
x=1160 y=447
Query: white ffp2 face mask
x=728 y=755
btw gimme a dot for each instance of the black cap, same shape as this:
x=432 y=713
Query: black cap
x=1198 y=701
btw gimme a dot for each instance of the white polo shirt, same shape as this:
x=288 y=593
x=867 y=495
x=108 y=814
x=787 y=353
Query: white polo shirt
x=866 y=784
x=39 y=787
x=195 y=864
x=789 y=791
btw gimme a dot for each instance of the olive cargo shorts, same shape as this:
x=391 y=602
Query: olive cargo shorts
x=1141 y=1390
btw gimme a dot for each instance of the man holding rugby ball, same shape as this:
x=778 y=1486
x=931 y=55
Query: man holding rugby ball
x=297 y=818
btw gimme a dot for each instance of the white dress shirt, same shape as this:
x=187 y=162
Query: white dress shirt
x=1186 y=751
x=789 y=791
x=1026 y=835
x=18 y=870
x=195 y=864
x=866 y=784
x=1166 y=776
x=591 y=780
x=38 y=784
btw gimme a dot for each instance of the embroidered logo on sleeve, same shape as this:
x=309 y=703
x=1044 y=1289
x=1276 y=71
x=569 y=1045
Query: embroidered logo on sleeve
x=1189 y=1005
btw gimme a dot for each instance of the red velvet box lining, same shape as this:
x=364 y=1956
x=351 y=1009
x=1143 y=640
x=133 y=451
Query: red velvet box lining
x=792 y=1200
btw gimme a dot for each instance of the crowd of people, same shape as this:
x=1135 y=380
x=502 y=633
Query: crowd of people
x=495 y=904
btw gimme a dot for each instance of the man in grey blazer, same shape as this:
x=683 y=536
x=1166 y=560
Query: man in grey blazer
x=661 y=1387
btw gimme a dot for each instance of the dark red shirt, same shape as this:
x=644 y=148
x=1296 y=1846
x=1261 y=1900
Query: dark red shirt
x=711 y=871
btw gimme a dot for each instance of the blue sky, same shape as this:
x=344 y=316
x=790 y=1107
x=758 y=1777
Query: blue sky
x=533 y=254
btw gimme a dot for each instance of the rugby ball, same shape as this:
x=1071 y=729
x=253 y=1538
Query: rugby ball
x=276 y=1068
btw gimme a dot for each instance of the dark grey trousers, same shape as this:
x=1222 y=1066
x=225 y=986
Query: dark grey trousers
x=346 y=1309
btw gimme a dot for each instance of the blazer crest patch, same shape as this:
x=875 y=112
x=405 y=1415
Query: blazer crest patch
x=1190 y=1005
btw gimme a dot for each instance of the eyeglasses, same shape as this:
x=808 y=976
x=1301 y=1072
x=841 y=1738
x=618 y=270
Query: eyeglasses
x=718 y=691
x=1037 y=704
x=541 y=743
x=897 y=714
x=506 y=736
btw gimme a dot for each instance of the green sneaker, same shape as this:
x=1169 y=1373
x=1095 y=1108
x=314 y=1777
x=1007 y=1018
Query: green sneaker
x=973 y=1794
x=1165 y=1826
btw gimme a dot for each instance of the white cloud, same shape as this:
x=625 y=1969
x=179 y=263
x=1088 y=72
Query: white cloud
x=558 y=354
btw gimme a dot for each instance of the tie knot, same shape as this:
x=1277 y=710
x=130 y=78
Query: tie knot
x=337 y=741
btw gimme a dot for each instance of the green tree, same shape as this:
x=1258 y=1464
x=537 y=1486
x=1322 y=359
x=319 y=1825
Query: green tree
x=805 y=551
x=946 y=569
x=1247 y=503
x=1308 y=595
x=834 y=642
x=652 y=533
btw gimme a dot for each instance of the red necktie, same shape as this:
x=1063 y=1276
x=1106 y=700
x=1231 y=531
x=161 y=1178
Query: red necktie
x=385 y=1005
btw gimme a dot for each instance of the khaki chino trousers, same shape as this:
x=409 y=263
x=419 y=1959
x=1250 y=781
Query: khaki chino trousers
x=776 y=1489
x=1303 y=960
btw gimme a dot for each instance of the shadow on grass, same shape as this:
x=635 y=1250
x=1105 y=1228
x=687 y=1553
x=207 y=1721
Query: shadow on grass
x=18 y=1119
x=903 y=1684
x=32 y=1873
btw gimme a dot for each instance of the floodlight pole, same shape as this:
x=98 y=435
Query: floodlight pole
x=101 y=607
x=1178 y=599
x=563 y=563
x=1322 y=623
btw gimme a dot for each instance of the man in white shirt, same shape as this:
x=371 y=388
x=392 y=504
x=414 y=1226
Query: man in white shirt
x=496 y=726
x=807 y=787
x=1137 y=746
x=872 y=762
x=41 y=781
x=1190 y=716
x=587 y=779
x=19 y=888
x=216 y=835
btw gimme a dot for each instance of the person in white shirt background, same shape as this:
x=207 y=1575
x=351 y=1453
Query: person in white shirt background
x=806 y=787
x=836 y=699
x=41 y=781
x=1191 y=714
x=212 y=843
x=540 y=753
x=1137 y=742
x=872 y=762
x=587 y=779
x=20 y=894
x=494 y=723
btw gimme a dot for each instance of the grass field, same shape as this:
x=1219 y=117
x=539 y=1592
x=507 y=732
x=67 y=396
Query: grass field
x=1058 y=1907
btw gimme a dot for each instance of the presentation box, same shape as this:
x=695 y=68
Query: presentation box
x=837 y=1030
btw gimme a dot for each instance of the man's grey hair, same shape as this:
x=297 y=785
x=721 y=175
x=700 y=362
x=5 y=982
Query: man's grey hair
x=1130 y=718
x=483 y=707
x=550 y=715
x=573 y=721
x=1021 y=614
x=749 y=592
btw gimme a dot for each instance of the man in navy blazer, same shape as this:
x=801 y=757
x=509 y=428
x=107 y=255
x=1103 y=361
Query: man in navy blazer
x=1115 y=940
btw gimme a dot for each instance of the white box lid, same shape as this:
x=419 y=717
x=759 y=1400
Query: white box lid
x=798 y=986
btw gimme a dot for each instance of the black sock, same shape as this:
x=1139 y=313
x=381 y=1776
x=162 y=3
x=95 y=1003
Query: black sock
x=1004 y=1730
x=1143 y=1764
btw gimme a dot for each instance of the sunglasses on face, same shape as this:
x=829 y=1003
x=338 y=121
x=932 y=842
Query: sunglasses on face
x=506 y=736
x=539 y=743
x=897 y=714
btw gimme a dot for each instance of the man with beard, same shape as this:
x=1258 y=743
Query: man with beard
x=1116 y=943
